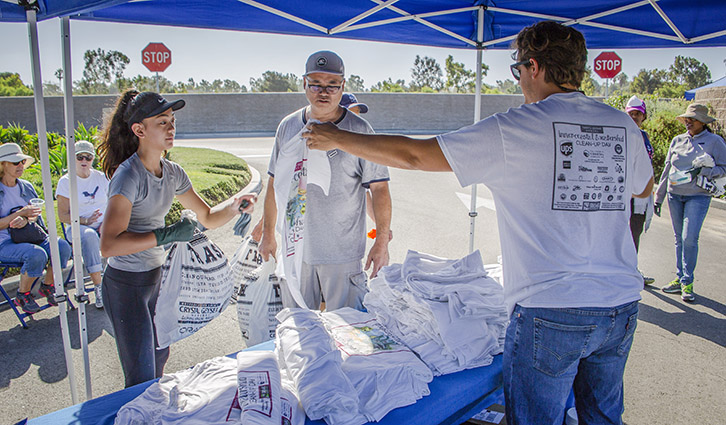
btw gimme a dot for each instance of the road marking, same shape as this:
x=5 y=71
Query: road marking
x=480 y=202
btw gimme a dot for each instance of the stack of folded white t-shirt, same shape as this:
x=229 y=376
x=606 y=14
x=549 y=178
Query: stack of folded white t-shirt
x=263 y=396
x=450 y=312
x=385 y=373
x=223 y=391
x=200 y=395
x=346 y=370
x=308 y=356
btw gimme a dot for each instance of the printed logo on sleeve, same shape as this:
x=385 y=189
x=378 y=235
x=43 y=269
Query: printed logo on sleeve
x=591 y=159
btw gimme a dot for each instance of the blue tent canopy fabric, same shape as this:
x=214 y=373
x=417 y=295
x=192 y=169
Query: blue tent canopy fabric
x=451 y=23
x=691 y=94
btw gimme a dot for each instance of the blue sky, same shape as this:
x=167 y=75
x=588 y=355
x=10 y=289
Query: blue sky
x=212 y=54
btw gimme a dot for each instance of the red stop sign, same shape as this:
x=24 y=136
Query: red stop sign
x=607 y=65
x=156 y=57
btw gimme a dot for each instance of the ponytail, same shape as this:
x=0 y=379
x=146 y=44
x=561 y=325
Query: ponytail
x=118 y=142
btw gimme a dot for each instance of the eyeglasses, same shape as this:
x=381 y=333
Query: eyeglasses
x=317 y=88
x=19 y=162
x=82 y=157
x=516 y=73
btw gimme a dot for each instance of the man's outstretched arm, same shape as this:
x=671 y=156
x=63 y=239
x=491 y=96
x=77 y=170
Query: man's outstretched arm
x=391 y=150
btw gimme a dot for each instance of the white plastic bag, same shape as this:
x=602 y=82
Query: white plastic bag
x=246 y=259
x=258 y=298
x=195 y=288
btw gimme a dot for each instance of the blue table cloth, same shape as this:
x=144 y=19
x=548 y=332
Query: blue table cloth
x=454 y=398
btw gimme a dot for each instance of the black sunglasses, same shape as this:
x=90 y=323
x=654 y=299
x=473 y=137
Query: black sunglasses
x=516 y=73
x=81 y=157
x=22 y=161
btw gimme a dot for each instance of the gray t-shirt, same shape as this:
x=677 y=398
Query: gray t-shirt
x=334 y=224
x=151 y=198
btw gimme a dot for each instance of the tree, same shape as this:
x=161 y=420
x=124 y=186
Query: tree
x=59 y=75
x=689 y=72
x=12 y=85
x=459 y=79
x=426 y=72
x=100 y=69
x=508 y=87
x=354 y=83
x=647 y=81
x=389 y=86
x=589 y=86
x=273 y=81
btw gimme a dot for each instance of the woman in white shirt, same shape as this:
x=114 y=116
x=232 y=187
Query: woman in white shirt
x=92 y=198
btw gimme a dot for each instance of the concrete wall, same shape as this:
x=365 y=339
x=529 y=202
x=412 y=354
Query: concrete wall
x=259 y=113
x=715 y=96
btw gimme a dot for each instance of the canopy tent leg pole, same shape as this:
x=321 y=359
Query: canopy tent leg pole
x=477 y=117
x=48 y=194
x=75 y=222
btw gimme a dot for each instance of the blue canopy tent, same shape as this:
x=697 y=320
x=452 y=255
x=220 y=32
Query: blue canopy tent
x=691 y=94
x=464 y=24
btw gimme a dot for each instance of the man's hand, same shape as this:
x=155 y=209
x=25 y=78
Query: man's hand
x=268 y=247
x=656 y=209
x=378 y=255
x=321 y=136
x=256 y=233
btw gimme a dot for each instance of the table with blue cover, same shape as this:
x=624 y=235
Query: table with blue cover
x=454 y=398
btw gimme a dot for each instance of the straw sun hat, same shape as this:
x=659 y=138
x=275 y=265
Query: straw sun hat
x=697 y=112
x=11 y=152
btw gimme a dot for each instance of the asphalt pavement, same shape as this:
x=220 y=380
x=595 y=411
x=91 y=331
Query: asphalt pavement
x=676 y=373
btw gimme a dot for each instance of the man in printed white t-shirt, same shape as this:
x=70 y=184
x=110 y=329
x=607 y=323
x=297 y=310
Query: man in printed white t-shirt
x=562 y=168
x=323 y=222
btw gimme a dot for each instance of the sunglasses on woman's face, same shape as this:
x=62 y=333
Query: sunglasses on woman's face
x=19 y=162
x=84 y=157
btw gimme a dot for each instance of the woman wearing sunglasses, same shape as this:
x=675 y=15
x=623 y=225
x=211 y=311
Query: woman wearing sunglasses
x=16 y=212
x=92 y=198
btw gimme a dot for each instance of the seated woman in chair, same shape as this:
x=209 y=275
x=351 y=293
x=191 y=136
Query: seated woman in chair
x=16 y=212
x=92 y=200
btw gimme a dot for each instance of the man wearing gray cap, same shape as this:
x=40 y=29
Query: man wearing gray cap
x=329 y=198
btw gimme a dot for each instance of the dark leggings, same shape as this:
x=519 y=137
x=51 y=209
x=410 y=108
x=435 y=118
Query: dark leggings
x=129 y=299
x=637 y=224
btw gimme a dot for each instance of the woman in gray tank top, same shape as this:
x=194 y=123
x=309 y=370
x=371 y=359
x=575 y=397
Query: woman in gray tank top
x=142 y=187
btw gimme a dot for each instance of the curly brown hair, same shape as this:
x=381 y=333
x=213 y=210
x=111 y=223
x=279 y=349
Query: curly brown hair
x=118 y=142
x=559 y=49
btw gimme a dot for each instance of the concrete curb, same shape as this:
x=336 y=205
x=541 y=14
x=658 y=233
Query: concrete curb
x=11 y=284
x=718 y=203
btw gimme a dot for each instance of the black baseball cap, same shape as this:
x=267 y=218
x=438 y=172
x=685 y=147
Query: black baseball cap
x=149 y=104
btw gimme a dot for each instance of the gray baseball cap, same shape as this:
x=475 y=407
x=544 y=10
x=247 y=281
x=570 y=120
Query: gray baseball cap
x=324 y=61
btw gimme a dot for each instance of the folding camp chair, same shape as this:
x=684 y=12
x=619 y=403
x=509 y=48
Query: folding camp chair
x=21 y=315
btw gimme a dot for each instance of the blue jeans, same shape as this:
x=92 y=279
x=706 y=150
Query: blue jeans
x=33 y=257
x=687 y=215
x=550 y=351
x=90 y=248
